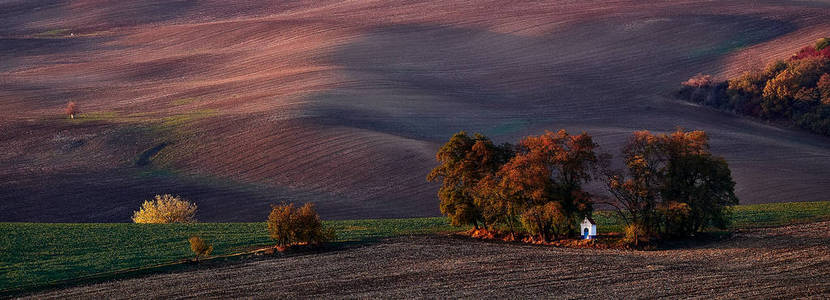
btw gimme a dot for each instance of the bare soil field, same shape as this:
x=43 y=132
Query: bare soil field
x=786 y=262
x=345 y=102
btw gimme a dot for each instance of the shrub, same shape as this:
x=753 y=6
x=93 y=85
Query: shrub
x=774 y=67
x=698 y=81
x=199 y=247
x=545 y=221
x=289 y=225
x=166 y=209
x=805 y=53
x=822 y=43
x=635 y=236
x=697 y=89
x=71 y=109
x=676 y=216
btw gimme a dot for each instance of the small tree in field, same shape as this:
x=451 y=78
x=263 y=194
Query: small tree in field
x=166 y=209
x=71 y=109
x=280 y=224
x=199 y=247
x=289 y=225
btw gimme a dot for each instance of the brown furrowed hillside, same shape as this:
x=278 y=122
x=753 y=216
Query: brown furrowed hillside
x=237 y=105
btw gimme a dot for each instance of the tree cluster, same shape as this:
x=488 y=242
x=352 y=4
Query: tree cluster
x=671 y=184
x=535 y=185
x=795 y=91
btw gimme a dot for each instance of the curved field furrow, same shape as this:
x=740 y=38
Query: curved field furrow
x=345 y=103
x=787 y=262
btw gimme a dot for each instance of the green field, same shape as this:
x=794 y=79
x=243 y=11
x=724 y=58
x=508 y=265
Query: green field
x=33 y=255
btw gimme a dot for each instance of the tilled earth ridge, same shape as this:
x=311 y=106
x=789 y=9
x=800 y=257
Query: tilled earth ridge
x=785 y=262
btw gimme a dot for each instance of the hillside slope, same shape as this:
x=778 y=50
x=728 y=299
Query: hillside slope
x=788 y=262
x=241 y=104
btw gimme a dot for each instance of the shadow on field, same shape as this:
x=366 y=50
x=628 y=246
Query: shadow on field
x=184 y=266
x=461 y=77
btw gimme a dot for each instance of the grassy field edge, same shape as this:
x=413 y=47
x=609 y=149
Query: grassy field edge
x=39 y=255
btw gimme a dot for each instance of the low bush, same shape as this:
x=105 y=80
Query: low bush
x=289 y=225
x=635 y=236
x=677 y=220
x=546 y=221
x=166 y=209
x=199 y=247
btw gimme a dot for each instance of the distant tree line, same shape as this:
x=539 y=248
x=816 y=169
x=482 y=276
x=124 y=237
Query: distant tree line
x=795 y=91
x=671 y=185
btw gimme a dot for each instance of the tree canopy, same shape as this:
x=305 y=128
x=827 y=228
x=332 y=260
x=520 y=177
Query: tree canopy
x=672 y=184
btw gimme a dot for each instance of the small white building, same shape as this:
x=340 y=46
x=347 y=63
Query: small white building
x=588 y=229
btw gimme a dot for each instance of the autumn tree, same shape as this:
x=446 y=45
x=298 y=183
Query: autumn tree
x=552 y=168
x=546 y=221
x=745 y=92
x=289 y=225
x=672 y=184
x=698 y=179
x=698 y=81
x=71 y=109
x=499 y=204
x=636 y=188
x=781 y=91
x=166 y=209
x=280 y=224
x=464 y=162
x=199 y=247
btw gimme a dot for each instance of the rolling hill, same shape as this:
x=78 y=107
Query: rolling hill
x=238 y=105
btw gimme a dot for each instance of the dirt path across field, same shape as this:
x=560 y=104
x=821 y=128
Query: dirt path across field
x=787 y=262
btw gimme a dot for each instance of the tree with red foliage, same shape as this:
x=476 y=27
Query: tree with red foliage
x=71 y=109
x=552 y=168
x=819 y=49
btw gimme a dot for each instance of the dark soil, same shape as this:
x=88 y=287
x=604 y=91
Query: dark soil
x=786 y=262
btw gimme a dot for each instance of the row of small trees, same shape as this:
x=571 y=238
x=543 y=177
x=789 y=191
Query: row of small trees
x=670 y=184
x=794 y=91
